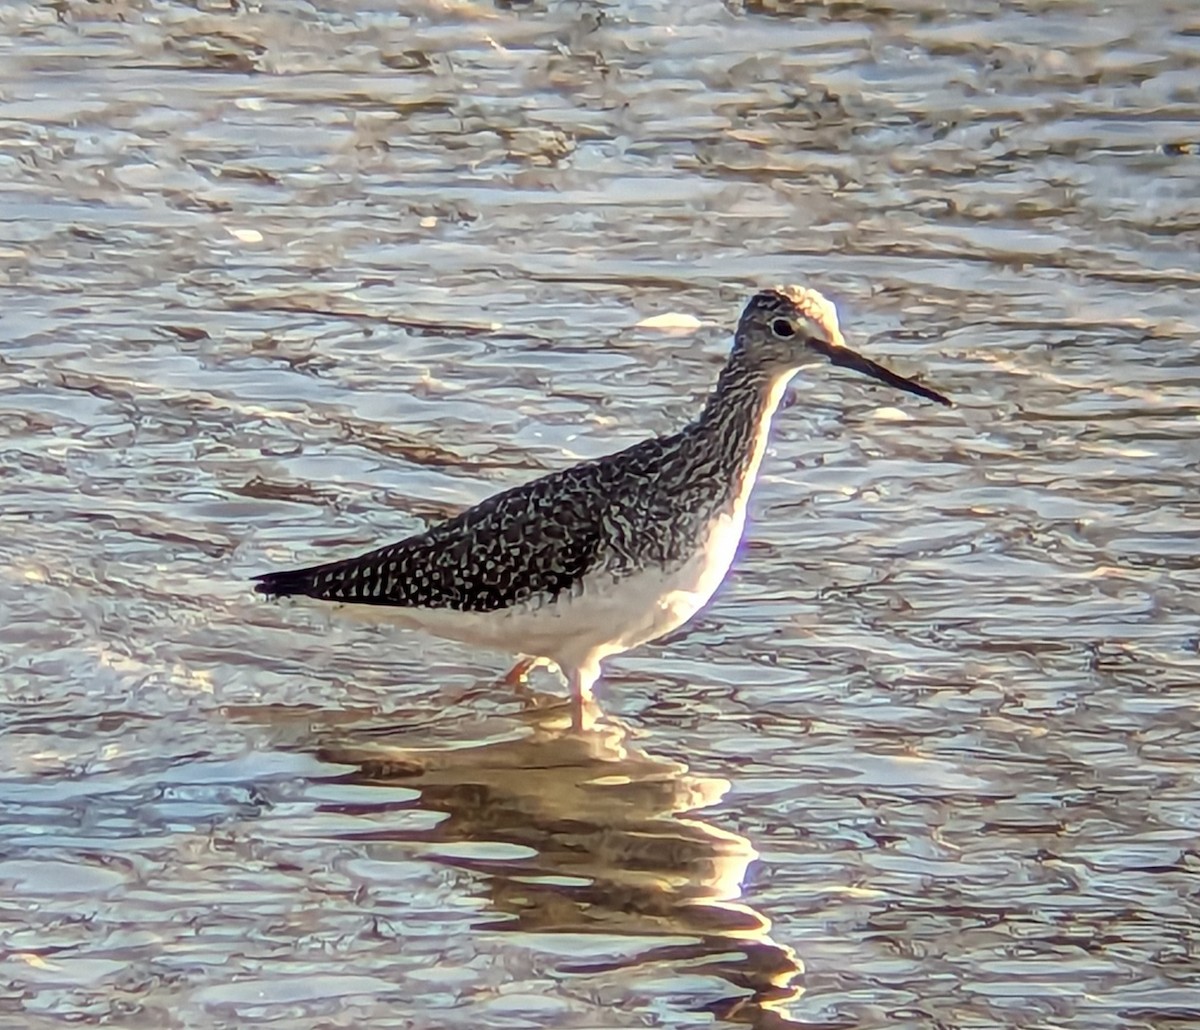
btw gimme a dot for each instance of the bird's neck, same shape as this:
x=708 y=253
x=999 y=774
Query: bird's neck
x=736 y=423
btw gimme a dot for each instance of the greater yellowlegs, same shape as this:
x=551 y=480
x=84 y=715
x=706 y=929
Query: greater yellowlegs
x=595 y=559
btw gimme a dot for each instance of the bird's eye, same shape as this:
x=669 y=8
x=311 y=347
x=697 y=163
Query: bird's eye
x=781 y=327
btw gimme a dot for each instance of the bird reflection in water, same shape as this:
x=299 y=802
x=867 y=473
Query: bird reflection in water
x=606 y=848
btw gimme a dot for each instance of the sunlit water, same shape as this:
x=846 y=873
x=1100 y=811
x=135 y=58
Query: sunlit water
x=287 y=280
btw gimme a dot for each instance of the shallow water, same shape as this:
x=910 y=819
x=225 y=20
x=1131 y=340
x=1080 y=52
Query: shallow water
x=287 y=280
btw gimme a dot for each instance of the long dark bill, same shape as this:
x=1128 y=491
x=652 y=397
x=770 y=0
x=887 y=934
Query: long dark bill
x=844 y=357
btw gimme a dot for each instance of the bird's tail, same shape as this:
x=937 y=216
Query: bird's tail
x=287 y=583
x=356 y=579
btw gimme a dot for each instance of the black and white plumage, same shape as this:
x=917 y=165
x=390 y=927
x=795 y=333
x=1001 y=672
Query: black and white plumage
x=597 y=558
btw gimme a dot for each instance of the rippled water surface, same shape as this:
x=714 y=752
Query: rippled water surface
x=286 y=280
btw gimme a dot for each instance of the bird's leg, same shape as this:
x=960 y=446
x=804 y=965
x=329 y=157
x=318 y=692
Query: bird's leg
x=580 y=680
x=516 y=677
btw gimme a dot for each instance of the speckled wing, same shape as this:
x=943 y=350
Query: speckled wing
x=537 y=539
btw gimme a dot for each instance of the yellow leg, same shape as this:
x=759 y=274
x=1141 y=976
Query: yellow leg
x=516 y=676
x=579 y=682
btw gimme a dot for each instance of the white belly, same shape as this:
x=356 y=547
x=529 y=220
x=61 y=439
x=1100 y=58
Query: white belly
x=602 y=616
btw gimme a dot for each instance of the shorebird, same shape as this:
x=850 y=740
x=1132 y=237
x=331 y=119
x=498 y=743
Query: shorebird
x=595 y=559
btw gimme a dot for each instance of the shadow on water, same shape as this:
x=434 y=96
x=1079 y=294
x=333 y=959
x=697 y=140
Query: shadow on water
x=585 y=834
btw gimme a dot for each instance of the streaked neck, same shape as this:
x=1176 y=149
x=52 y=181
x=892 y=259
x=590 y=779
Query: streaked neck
x=736 y=424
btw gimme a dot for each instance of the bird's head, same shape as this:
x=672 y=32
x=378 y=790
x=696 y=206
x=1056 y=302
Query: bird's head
x=786 y=328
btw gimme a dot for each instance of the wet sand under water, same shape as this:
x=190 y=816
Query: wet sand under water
x=284 y=281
